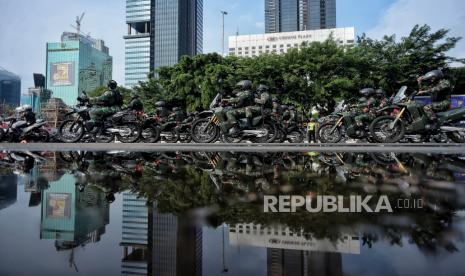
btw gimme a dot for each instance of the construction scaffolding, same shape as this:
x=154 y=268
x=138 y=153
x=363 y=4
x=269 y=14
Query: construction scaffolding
x=53 y=111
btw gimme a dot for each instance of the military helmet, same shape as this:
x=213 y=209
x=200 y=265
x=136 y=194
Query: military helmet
x=27 y=107
x=437 y=74
x=262 y=88
x=291 y=107
x=275 y=100
x=367 y=92
x=284 y=107
x=19 y=109
x=380 y=93
x=244 y=85
x=176 y=109
x=112 y=84
x=160 y=104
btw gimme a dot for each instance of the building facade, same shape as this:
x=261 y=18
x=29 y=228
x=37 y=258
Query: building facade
x=160 y=32
x=10 y=88
x=299 y=15
x=254 y=45
x=75 y=65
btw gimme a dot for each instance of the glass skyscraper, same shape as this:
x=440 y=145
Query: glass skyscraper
x=159 y=33
x=299 y=15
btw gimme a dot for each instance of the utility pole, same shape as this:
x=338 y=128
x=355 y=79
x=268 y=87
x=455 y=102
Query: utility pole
x=223 y=13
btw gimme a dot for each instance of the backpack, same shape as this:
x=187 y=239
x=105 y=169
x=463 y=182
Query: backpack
x=119 y=101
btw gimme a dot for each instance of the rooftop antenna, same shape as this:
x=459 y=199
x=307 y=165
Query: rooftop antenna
x=78 y=23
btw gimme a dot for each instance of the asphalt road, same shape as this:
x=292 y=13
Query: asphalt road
x=420 y=148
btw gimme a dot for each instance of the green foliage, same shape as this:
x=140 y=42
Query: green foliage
x=318 y=73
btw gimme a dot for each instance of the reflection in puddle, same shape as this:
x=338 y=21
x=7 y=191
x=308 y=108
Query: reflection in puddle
x=202 y=213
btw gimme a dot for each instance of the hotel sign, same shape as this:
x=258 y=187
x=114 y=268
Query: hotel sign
x=288 y=37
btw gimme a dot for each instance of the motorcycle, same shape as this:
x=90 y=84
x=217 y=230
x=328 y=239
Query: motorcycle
x=207 y=128
x=333 y=130
x=405 y=116
x=125 y=125
x=155 y=128
x=33 y=133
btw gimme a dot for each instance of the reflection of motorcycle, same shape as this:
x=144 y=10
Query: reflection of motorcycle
x=207 y=129
x=32 y=133
x=124 y=124
x=406 y=116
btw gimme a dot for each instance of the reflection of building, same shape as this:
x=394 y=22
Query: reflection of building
x=299 y=15
x=290 y=253
x=72 y=217
x=10 y=88
x=176 y=246
x=135 y=235
x=159 y=33
x=75 y=65
x=284 y=238
x=8 y=190
x=255 y=45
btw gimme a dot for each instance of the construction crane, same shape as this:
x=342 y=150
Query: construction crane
x=78 y=23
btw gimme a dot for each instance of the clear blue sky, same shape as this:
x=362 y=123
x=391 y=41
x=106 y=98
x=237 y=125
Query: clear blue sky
x=26 y=25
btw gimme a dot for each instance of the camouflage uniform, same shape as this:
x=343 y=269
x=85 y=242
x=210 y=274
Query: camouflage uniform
x=104 y=106
x=365 y=115
x=263 y=102
x=440 y=95
x=241 y=101
x=177 y=115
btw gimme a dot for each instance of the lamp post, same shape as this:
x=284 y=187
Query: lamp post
x=223 y=13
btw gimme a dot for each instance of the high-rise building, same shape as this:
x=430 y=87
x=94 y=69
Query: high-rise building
x=299 y=15
x=77 y=63
x=135 y=235
x=176 y=246
x=160 y=32
x=10 y=88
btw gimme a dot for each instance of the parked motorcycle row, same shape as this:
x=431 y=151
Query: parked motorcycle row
x=402 y=119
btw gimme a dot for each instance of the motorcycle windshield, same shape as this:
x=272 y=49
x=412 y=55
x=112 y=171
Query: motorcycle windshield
x=339 y=107
x=400 y=96
x=215 y=101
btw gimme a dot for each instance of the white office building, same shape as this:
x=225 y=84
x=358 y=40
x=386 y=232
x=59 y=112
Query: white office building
x=254 y=45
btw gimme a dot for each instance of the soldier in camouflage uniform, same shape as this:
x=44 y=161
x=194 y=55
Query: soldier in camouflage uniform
x=365 y=106
x=105 y=105
x=440 y=91
x=135 y=103
x=263 y=101
x=243 y=98
x=177 y=114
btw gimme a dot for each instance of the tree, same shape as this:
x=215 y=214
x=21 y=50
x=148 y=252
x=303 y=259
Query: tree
x=317 y=73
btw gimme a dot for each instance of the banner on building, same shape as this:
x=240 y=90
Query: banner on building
x=58 y=205
x=62 y=73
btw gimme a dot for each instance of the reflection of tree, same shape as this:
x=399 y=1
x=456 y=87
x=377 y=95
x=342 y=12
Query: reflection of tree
x=233 y=188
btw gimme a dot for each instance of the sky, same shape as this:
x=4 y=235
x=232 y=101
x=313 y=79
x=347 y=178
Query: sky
x=27 y=25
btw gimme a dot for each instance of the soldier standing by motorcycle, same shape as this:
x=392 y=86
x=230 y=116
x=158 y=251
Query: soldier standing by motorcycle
x=107 y=104
x=243 y=97
x=434 y=84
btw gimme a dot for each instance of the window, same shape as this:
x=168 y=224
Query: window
x=260 y=47
x=232 y=49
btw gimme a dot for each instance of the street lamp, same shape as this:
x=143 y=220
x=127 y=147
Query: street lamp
x=223 y=13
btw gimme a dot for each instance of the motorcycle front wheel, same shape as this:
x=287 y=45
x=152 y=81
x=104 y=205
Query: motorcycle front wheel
x=382 y=131
x=204 y=131
x=71 y=131
x=329 y=133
